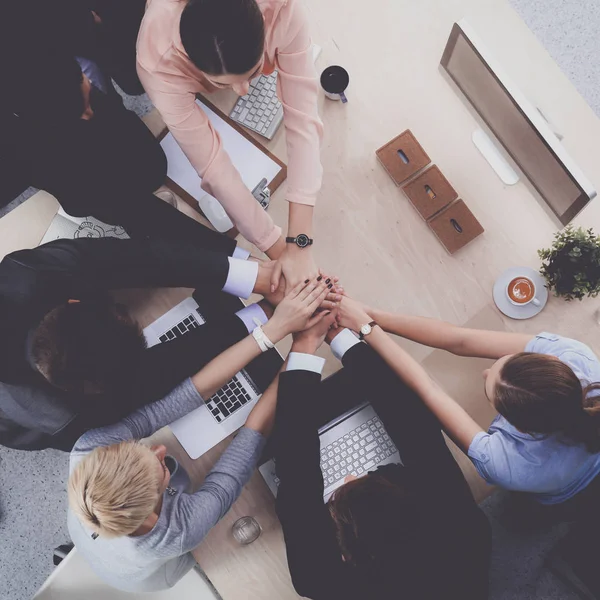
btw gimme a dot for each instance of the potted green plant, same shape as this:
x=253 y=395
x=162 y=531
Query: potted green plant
x=571 y=266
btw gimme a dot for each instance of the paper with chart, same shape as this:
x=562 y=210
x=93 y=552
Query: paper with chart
x=251 y=162
x=65 y=226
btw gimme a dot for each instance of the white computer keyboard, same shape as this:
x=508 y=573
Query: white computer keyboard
x=260 y=110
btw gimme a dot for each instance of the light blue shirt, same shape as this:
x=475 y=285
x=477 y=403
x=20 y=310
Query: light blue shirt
x=551 y=467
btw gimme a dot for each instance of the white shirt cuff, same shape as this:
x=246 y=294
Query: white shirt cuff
x=241 y=277
x=342 y=342
x=251 y=312
x=298 y=361
x=240 y=253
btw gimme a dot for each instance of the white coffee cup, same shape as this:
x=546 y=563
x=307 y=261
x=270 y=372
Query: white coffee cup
x=520 y=291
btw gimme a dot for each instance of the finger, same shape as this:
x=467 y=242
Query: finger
x=326 y=278
x=281 y=288
x=276 y=277
x=333 y=296
x=317 y=296
x=297 y=289
x=333 y=280
x=327 y=305
x=307 y=291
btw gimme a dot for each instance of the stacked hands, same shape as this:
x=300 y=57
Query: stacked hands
x=309 y=306
x=312 y=310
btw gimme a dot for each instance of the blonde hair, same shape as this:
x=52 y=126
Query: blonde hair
x=115 y=488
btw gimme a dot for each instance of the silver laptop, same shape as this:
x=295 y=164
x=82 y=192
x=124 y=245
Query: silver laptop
x=223 y=413
x=354 y=443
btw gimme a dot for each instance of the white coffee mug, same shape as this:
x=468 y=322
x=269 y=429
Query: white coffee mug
x=523 y=287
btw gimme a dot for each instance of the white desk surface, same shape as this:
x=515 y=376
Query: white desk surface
x=368 y=233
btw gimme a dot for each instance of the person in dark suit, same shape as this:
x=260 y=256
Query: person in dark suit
x=65 y=128
x=71 y=358
x=401 y=531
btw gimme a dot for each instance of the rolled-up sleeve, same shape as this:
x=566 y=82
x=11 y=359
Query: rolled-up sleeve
x=492 y=460
x=297 y=88
x=201 y=143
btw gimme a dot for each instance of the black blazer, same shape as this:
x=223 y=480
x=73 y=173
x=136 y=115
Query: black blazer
x=35 y=415
x=456 y=554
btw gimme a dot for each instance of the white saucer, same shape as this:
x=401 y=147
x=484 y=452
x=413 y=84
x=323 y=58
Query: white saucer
x=512 y=310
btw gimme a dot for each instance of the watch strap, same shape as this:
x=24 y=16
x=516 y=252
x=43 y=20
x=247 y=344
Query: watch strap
x=264 y=343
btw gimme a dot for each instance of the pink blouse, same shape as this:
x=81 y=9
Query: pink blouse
x=172 y=81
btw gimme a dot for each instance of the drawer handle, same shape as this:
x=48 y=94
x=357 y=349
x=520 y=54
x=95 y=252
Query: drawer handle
x=403 y=156
x=430 y=192
x=456 y=225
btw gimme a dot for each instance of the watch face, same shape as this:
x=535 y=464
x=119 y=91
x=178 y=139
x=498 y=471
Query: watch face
x=365 y=329
x=302 y=240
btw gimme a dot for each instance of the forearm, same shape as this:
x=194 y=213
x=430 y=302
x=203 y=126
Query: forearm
x=461 y=341
x=221 y=487
x=429 y=332
x=300 y=219
x=222 y=368
x=262 y=417
x=275 y=251
x=114 y=264
x=296 y=429
x=455 y=421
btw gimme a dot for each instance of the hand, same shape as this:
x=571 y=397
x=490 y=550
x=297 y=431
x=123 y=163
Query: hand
x=266 y=268
x=330 y=302
x=296 y=311
x=296 y=265
x=310 y=340
x=352 y=314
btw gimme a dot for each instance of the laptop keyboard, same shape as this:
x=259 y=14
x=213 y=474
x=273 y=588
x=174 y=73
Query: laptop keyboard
x=260 y=110
x=356 y=452
x=187 y=324
x=232 y=396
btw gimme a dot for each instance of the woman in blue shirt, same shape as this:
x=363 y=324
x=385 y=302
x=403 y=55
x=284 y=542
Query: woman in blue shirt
x=546 y=439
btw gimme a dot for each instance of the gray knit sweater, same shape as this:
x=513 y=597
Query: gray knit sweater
x=158 y=559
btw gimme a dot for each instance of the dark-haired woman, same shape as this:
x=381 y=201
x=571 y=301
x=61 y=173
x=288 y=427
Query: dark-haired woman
x=201 y=46
x=546 y=438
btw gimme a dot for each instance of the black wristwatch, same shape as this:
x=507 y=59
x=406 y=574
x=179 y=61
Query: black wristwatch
x=302 y=240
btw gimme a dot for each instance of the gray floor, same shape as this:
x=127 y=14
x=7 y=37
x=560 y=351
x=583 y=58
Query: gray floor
x=569 y=29
x=32 y=497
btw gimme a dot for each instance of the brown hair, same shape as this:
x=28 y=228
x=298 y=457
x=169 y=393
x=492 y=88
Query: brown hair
x=538 y=393
x=88 y=345
x=376 y=516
